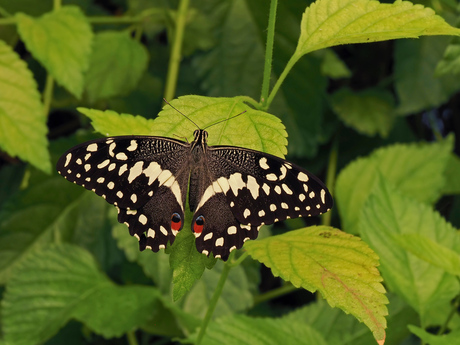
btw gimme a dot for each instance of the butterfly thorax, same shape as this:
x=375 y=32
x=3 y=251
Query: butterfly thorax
x=199 y=174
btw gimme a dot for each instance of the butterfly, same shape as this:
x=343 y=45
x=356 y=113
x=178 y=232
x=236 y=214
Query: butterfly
x=232 y=191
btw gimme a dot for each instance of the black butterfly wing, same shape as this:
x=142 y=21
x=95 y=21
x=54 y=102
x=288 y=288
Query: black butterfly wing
x=145 y=177
x=262 y=189
x=247 y=189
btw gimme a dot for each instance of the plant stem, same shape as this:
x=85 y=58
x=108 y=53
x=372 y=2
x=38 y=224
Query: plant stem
x=131 y=338
x=455 y=306
x=213 y=302
x=283 y=290
x=57 y=4
x=176 y=51
x=294 y=58
x=269 y=51
x=330 y=177
x=48 y=94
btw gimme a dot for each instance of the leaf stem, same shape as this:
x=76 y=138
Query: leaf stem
x=176 y=50
x=131 y=338
x=213 y=302
x=330 y=177
x=292 y=61
x=269 y=51
x=57 y=4
x=281 y=291
x=455 y=306
x=48 y=94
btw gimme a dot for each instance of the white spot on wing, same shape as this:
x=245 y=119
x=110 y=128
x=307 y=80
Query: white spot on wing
x=323 y=196
x=121 y=156
x=231 y=230
x=266 y=188
x=271 y=177
x=207 y=237
x=151 y=233
x=286 y=189
x=246 y=213
x=236 y=183
x=133 y=146
x=253 y=187
x=135 y=171
x=103 y=164
x=311 y=195
x=163 y=230
x=92 y=147
x=263 y=163
x=142 y=219
x=67 y=159
x=220 y=242
x=302 y=177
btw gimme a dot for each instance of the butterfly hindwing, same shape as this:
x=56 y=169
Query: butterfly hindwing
x=145 y=177
x=263 y=189
x=217 y=229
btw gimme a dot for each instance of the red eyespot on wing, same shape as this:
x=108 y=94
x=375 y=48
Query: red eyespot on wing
x=198 y=225
x=176 y=222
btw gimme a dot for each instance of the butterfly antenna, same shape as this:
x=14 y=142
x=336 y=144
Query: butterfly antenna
x=226 y=119
x=188 y=118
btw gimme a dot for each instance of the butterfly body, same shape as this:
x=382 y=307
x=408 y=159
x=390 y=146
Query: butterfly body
x=233 y=191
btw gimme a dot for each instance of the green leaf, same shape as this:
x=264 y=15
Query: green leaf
x=452 y=172
x=242 y=330
x=257 y=130
x=33 y=219
x=369 y=112
x=328 y=23
x=332 y=66
x=116 y=65
x=238 y=48
x=417 y=86
x=329 y=260
x=23 y=130
x=450 y=63
x=110 y=123
x=63 y=282
x=61 y=40
x=186 y=262
x=415 y=169
x=453 y=338
x=236 y=295
x=388 y=214
x=339 y=328
x=154 y=265
x=432 y=252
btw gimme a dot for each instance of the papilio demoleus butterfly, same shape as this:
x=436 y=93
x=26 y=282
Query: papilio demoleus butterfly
x=233 y=191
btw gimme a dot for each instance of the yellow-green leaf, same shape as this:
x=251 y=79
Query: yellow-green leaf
x=256 y=129
x=61 y=41
x=341 y=266
x=328 y=23
x=23 y=124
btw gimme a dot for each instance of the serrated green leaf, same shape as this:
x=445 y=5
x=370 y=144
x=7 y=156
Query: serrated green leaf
x=110 y=123
x=341 y=329
x=329 y=260
x=244 y=330
x=450 y=63
x=416 y=85
x=369 y=112
x=388 y=214
x=116 y=65
x=453 y=338
x=416 y=170
x=257 y=130
x=23 y=130
x=28 y=221
x=61 y=40
x=430 y=251
x=328 y=23
x=63 y=282
x=452 y=172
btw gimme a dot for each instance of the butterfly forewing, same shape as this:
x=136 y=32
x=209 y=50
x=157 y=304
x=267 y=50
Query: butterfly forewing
x=145 y=177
